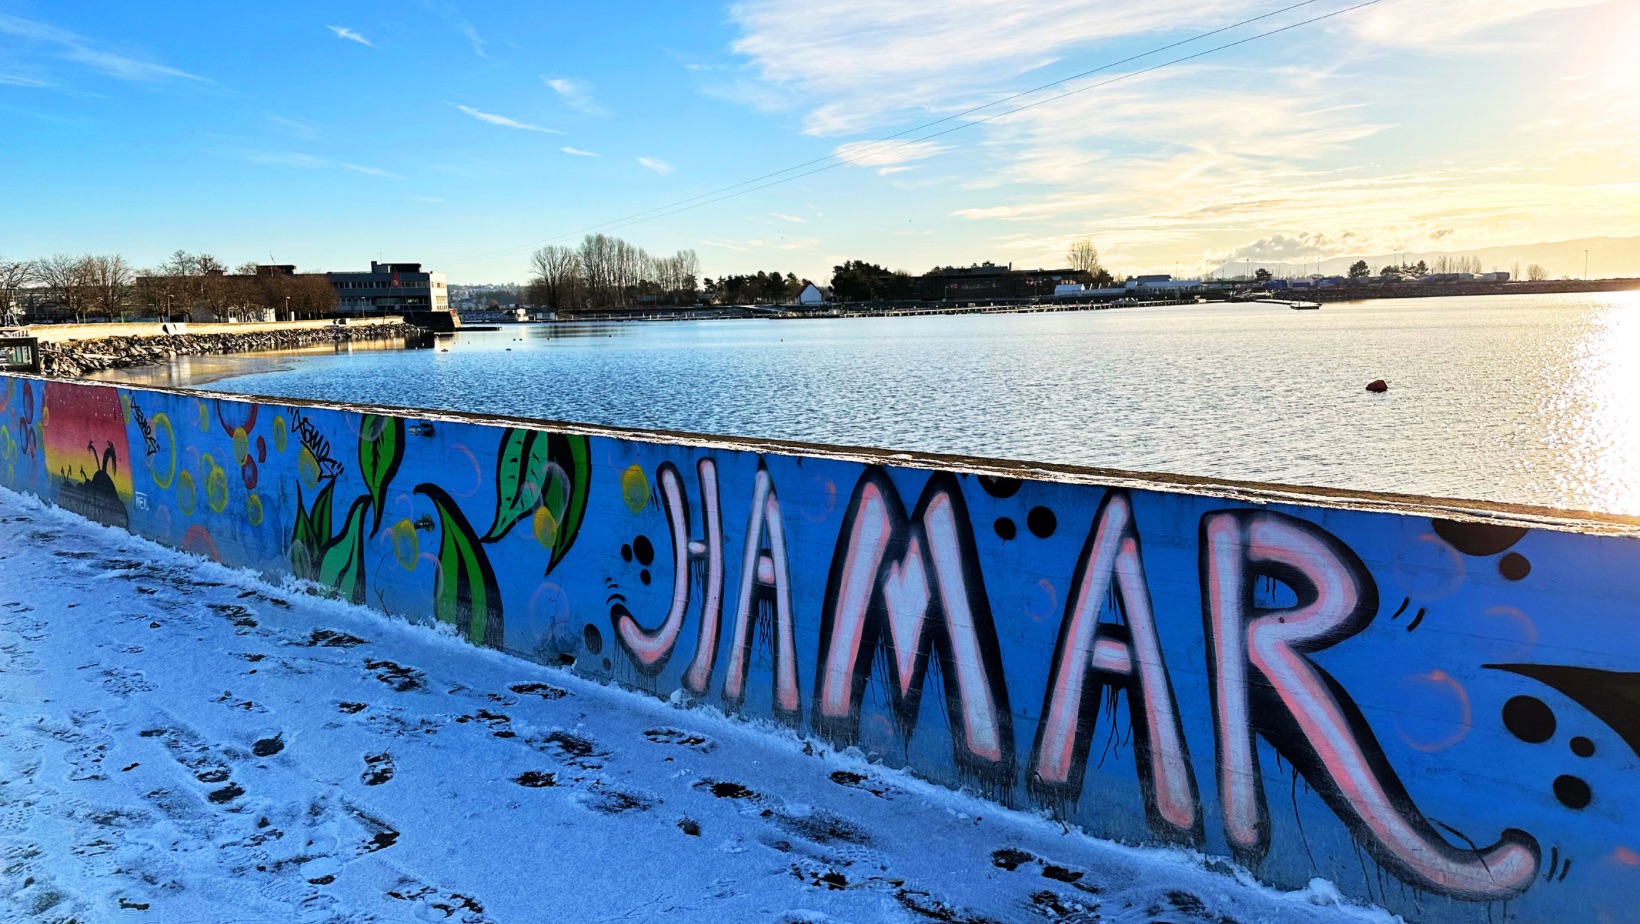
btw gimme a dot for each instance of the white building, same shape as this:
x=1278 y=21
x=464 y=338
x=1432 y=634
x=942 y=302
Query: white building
x=811 y=295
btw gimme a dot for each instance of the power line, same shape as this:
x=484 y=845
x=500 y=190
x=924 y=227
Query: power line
x=912 y=129
x=729 y=192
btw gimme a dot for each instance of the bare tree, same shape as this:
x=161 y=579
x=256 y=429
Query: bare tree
x=556 y=279
x=1536 y=273
x=1084 y=256
x=14 y=275
x=107 y=282
x=64 y=276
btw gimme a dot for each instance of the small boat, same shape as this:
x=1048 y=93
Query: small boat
x=1304 y=306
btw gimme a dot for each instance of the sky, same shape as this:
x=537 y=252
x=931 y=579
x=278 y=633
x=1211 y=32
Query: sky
x=462 y=136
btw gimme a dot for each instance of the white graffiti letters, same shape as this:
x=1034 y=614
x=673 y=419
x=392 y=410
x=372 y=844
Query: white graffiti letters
x=1092 y=654
x=764 y=581
x=913 y=588
x=1264 y=683
x=650 y=650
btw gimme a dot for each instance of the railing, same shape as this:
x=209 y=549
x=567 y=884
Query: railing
x=19 y=353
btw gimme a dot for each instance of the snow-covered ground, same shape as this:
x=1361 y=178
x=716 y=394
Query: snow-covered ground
x=180 y=742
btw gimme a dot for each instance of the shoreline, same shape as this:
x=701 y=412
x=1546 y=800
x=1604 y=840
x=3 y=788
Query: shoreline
x=79 y=358
x=1046 y=305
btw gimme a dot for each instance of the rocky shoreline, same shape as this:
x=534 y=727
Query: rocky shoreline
x=76 y=358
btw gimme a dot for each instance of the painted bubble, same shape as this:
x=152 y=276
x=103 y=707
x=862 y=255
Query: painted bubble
x=406 y=547
x=253 y=510
x=163 y=463
x=545 y=527
x=216 y=486
x=307 y=467
x=635 y=488
x=185 y=493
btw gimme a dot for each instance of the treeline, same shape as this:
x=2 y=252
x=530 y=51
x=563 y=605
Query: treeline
x=759 y=289
x=607 y=272
x=184 y=287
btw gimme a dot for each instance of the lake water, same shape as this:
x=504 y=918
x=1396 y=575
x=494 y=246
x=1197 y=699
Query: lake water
x=1523 y=399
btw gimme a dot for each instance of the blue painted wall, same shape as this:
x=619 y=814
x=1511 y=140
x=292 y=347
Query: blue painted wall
x=1440 y=716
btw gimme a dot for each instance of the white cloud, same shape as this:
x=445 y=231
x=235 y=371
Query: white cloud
x=656 y=164
x=15 y=80
x=314 y=162
x=886 y=154
x=503 y=121
x=578 y=152
x=473 y=39
x=861 y=64
x=1408 y=23
x=576 y=94
x=74 y=48
x=791 y=218
x=1227 y=152
x=343 y=32
x=295 y=127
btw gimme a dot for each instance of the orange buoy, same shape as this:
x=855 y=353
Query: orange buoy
x=1378 y=386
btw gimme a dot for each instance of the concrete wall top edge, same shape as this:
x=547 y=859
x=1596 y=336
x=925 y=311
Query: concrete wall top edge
x=1252 y=492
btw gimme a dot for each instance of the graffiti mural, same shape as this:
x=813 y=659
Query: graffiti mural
x=1439 y=715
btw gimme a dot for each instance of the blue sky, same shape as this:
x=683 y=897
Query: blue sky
x=330 y=134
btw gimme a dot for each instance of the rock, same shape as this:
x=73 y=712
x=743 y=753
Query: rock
x=77 y=357
x=1378 y=386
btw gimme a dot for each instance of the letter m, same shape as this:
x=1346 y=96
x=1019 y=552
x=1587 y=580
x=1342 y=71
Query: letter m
x=912 y=590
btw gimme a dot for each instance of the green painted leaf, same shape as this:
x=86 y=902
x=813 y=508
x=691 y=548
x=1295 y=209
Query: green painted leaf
x=319 y=516
x=466 y=592
x=574 y=456
x=520 y=479
x=302 y=541
x=381 y=449
x=341 y=564
x=311 y=533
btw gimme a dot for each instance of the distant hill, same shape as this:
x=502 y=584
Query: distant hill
x=1609 y=257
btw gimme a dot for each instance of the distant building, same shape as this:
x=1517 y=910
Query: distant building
x=1078 y=290
x=990 y=280
x=391 y=288
x=1162 y=282
x=811 y=295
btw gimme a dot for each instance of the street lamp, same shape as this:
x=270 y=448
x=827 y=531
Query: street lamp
x=288 y=315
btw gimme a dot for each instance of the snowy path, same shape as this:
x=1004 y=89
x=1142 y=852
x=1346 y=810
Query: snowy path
x=183 y=743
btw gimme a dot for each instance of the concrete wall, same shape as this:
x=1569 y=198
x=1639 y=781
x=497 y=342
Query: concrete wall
x=61 y=333
x=1442 y=715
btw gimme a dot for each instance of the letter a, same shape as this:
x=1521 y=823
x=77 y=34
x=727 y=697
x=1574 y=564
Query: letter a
x=1091 y=655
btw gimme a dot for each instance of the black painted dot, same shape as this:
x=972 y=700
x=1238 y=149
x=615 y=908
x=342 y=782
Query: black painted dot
x=1478 y=539
x=1572 y=792
x=1005 y=528
x=644 y=576
x=999 y=487
x=644 y=551
x=606 y=664
x=626 y=553
x=593 y=639
x=1514 y=566
x=1582 y=746
x=1041 y=522
x=1528 y=719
